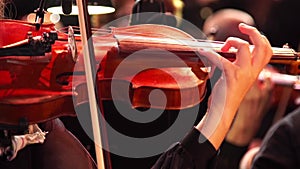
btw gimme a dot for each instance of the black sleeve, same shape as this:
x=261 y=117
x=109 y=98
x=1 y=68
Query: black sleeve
x=194 y=152
x=230 y=156
x=278 y=149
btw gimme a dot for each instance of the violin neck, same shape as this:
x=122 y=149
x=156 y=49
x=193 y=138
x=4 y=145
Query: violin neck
x=129 y=42
x=280 y=55
x=284 y=53
x=140 y=42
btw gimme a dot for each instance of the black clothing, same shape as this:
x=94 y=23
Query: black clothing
x=281 y=145
x=280 y=150
x=230 y=156
x=190 y=153
x=61 y=150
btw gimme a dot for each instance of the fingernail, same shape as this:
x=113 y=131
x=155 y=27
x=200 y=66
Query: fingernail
x=243 y=24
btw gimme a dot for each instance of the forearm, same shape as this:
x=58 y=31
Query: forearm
x=214 y=130
x=217 y=121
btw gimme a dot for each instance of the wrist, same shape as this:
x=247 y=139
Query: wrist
x=214 y=126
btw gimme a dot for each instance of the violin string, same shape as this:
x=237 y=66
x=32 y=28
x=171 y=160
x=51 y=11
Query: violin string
x=196 y=43
x=142 y=36
x=167 y=41
x=100 y=30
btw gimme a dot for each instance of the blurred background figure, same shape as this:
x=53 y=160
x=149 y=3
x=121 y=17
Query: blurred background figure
x=277 y=19
x=224 y=23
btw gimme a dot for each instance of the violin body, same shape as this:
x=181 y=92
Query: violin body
x=137 y=68
x=28 y=89
x=38 y=88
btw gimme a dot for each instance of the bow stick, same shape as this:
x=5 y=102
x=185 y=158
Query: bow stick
x=90 y=71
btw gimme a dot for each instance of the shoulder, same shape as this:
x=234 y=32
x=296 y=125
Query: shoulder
x=288 y=126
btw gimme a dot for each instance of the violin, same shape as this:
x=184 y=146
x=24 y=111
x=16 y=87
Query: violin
x=136 y=64
x=134 y=58
x=28 y=94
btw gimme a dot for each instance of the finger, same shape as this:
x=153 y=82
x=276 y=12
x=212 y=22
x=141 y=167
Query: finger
x=262 y=54
x=243 y=55
x=252 y=32
x=262 y=45
x=214 y=58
